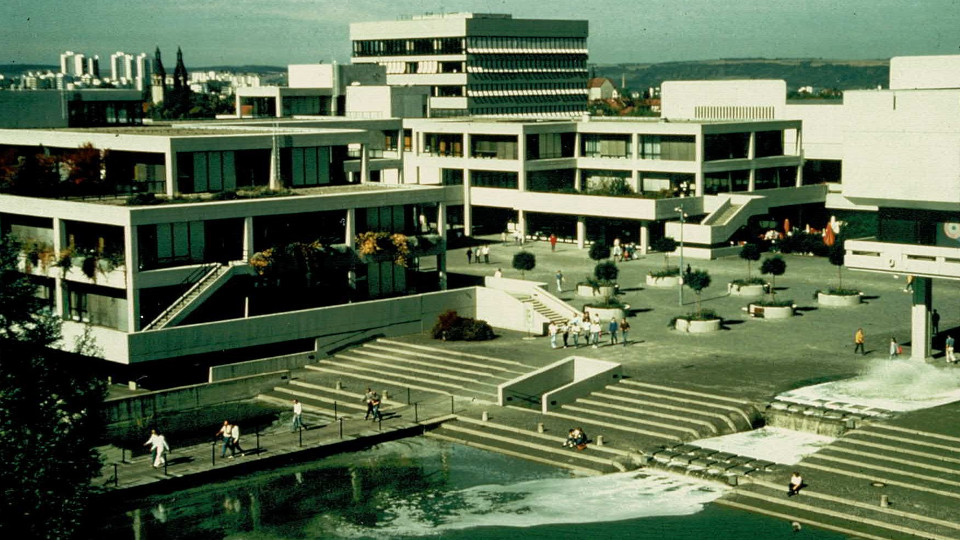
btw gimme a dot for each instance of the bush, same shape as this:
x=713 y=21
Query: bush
x=599 y=251
x=703 y=315
x=774 y=303
x=667 y=272
x=524 y=261
x=608 y=302
x=89 y=267
x=452 y=327
x=606 y=271
x=838 y=292
x=802 y=242
x=750 y=281
x=143 y=199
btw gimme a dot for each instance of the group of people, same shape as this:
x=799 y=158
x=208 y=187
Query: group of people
x=229 y=435
x=590 y=327
x=859 y=345
x=372 y=399
x=576 y=438
x=474 y=255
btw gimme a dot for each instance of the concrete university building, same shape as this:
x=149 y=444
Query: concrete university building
x=187 y=245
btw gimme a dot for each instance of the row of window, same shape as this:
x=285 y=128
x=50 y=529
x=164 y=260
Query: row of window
x=513 y=87
x=526 y=43
x=403 y=47
x=517 y=62
x=578 y=99
x=423 y=66
x=665 y=147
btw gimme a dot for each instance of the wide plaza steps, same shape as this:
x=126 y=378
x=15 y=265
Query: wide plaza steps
x=324 y=401
x=661 y=412
x=915 y=472
x=546 y=448
x=402 y=367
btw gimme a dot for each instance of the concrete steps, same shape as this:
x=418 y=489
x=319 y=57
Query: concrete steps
x=540 y=308
x=539 y=447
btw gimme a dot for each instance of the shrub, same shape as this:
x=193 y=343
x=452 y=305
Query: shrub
x=606 y=271
x=599 y=251
x=452 y=327
x=802 y=242
x=143 y=199
x=838 y=292
x=89 y=267
x=774 y=303
x=702 y=315
x=749 y=281
x=608 y=302
x=666 y=272
x=228 y=195
x=524 y=261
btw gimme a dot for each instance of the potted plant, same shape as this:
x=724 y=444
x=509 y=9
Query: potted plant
x=838 y=297
x=668 y=277
x=607 y=305
x=524 y=261
x=750 y=286
x=594 y=286
x=773 y=308
x=702 y=321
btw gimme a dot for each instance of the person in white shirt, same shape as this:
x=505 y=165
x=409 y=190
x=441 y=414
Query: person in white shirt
x=297 y=415
x=235 y=441
x=154 y=443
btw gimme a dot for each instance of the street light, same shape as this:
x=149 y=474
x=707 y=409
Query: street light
x=679 y=210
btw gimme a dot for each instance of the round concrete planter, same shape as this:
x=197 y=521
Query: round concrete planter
x=663 y=282
x=698 y=327
x=773 y=312
x=602 y=292
x=838 y=300
x=745 y=290
x=606 y=313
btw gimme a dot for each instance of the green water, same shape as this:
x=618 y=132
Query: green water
x=424 y=488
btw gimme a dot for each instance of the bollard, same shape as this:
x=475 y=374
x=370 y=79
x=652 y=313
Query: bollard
x=341 y=426
x=451 y=405
x=732 y=480
x=884 y=501
x=258 y=442
x=416 y=412
x=339 y=385
x=165 y=467
x=484 y=416
x=539 y=427
x=123 y=455
x=408 y=395
x=386 y=395
x=213 y=453
x=335 y=416
x=599 y=440
x=379 y=423
x=300 y=435
x=116 y=476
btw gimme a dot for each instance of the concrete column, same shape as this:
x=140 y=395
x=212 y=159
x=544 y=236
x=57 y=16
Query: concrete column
x=635 y=180
x=752 y=182
x=581 y=232
x=170 y=166
x=634 y=146
x=522 y=224
x=350 y=226
x=752 y=146
x=59 y=291
x=799 y=181
x=522 y=160
x=279 y=111
x=920 y=327
x=131 y=258
x=364 y=165
x=275 y=168
x=644 y=238
x=577 y=179
x=467 y=210
x=442 y=256
x=237 y=105
x=247 y=238
x=698 y=159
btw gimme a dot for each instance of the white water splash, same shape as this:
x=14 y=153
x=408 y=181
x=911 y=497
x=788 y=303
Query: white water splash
x=774 y=444
x=897 y=385
x=611 y=497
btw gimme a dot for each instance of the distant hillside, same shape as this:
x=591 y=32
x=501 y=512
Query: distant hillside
x=12 y=68
x=840 y=74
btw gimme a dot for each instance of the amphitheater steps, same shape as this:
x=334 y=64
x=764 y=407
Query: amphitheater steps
x=730 y=414
x=819 y=505
x=328 y=403
x=530 y=445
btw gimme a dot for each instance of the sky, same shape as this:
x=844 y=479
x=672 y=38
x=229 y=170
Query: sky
x=281 y=32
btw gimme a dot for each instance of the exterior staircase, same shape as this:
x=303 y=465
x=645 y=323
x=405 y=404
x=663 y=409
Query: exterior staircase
x=723 y=214
x=541 y=308
x=206 y=280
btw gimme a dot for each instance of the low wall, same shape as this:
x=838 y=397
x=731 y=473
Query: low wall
x=527 y=390
x=263 y=365
x=501 y=310
x=589 y=375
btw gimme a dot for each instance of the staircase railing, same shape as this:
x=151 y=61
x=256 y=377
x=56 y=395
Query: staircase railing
x=197 y=277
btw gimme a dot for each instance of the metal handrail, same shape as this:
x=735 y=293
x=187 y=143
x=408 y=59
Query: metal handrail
x=197 y=277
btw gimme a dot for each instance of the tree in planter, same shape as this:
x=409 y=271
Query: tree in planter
x=599 y=251
x=751 y=253
x=775 y=266
x=524 y=261
x=665 y=245
x=697 y=280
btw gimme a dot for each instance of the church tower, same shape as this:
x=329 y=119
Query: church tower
x=180 y=79
x=158 y=80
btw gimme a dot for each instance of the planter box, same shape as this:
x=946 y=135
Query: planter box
x=838 y=300
x=771 y=312
x=663 y=282
x=605 y=314
x=601 y=292
x=698 y=327
x=746 y=290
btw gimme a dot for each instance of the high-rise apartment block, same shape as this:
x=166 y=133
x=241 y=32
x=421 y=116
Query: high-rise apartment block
x=482 y=64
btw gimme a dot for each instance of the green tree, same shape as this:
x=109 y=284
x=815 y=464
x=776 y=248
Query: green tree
x=606 y=271
x=665 y=245
x=836 y=255
x=750 y=253
x=524 y=261
x=775 y=266
x=599 y=251
x=697 y=280
x=49 y=417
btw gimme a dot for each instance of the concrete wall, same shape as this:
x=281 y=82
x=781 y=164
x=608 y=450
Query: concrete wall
x=589 y=376
x=526 y=390
x=501 y=310
x=259 y=366
x=925 y=72
x=679 y=99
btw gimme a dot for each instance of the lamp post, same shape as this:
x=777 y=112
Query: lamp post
x=679 y=210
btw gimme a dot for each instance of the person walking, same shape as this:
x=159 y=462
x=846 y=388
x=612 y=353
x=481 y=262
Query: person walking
x=612 y=327
x=909 y=286
x=375 y=407
x=225 y=438
x=235 y=441
x=469 y=255
x=858 y=340
x=154 y=443
x=894 y=348
x=574 y=326
x=297 y=416
x=935 y=322
x=624 y=328
x=486 y=254
x=368 y=399
x=503 y=238
x=160 y=458
x=565 y=330
x=951 y=359
x=595 y=333
x=553 y=242
x=559 y=277
x=552 y=330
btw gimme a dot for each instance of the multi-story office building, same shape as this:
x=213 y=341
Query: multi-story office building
x=482 y=64
x=72 y=64
x=121 y=67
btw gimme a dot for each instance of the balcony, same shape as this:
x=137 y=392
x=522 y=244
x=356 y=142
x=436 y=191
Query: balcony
x=890 y=258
